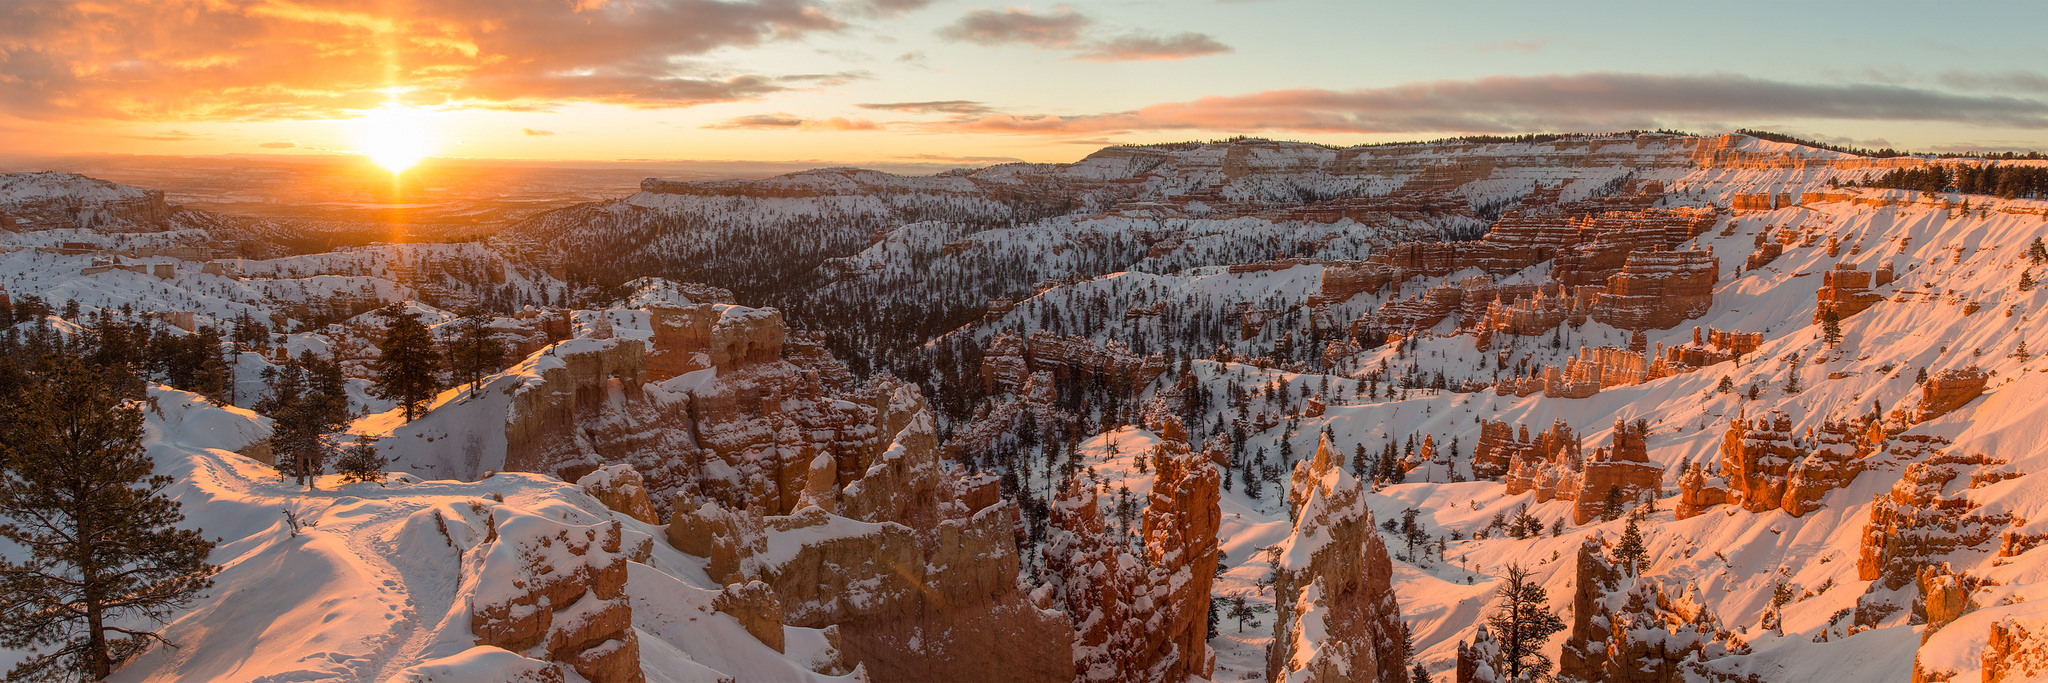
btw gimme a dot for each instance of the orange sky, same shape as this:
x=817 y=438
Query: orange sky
x=972 y=83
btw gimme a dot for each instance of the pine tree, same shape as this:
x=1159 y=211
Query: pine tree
x=360 y=463
x=2037 y=252
x=1611 y=506
x=475 y=351
x=100 y=538
x=1727 y=385
x=1830 y=327
x=1631 y=553
x=2026 y=281
x=405 y=369
x=1419 y=675
x=1523 y=623
x=307 y=401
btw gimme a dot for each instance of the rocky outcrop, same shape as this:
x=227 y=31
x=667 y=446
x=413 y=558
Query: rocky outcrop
x=46 y=201
x=1623 y=466
x=1336 y=618
x=620 y=488
x=1140 y=610
x=756 y=607
x=1180 y=527
x=1010 y=359
x=1845 y=289
x=748 y=434
x=1530 y=461
x=2016 y=650
x=1633 y=630
x=905 y=559
x=1476 y=659
x=1659 y=289
x=1584 y=656
x=1918 y=521
x=1769 y=467
x=1948 y=390
x=556 y=592
x=1697 y=492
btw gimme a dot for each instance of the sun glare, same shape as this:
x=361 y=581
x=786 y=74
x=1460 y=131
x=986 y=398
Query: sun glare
x=393 y=136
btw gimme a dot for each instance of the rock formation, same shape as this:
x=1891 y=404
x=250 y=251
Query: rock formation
x=620 y=488
x=1767 y=466
x=1632 y=630
x=1948 y=390
x=557 y=592
x=1844 y=290
x=1918 y=521
x=1333 y=582
x=1622 y=466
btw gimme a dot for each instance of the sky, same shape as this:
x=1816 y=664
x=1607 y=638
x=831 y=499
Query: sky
x=975 y=83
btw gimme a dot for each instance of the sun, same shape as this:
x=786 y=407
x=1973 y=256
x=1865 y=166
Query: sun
x=394 y=136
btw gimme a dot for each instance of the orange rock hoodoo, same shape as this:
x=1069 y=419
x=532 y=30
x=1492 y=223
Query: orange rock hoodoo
x=1624 y=466
x=1630 y=629
x=1766 y=466
x=1948 y=390
x=1553 y=466
x=1844 y=290
x=1010 y=361
x=1334 y=571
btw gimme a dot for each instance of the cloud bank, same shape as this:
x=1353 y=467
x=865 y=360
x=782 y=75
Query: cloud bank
x=1511 y=104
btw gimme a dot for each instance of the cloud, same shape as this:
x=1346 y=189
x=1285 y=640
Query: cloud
x=967 y=107
x=892 y=7
x=142 y=60
x=168 y=136
x=827 y=80
x=781 y=121
x=948 y=159
x=535 y=132
x=1512 y=46
x=1060 y=28
x=1139 y=48
x=1997 y=82
x=280 y=144
x=1512 y=104
x=1065 y=29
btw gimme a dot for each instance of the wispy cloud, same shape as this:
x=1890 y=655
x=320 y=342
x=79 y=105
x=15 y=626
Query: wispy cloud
x=278 y=144
x=535 y=132
x=781 y=121
x=1512 y=46
x=968 y=107
x=1056 y=29
x=1065 y=29
x=1504 y=104
x=1138 y=48
x=948 y=159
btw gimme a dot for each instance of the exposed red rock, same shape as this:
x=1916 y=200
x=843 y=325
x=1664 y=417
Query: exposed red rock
x=1844 y=290
x=558 y=593
x=1948 y=390
x=1625 y=466
x=1333 y=569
